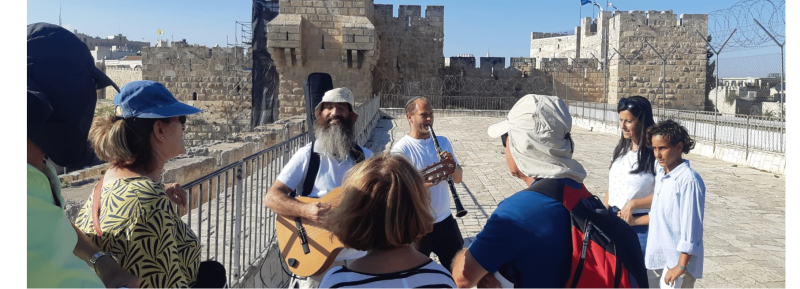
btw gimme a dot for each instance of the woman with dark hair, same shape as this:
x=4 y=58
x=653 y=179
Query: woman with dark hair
x=675 y=245
x=130 y=213
x=385 y=207
x=631 y=173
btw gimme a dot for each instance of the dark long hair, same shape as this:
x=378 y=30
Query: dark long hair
x=641 y=108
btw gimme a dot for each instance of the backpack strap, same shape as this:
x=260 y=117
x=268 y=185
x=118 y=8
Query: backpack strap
x=556 y=188
x=357 y=153
x=313 y=167
x=313 y=170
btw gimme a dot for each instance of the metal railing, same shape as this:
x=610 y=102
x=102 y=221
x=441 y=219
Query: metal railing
x=226 y=211
x=750 y=132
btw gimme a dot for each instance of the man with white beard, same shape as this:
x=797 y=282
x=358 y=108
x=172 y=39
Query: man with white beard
x=334 y=152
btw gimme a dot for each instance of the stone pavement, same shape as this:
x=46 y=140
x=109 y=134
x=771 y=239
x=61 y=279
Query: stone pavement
x=744 y=215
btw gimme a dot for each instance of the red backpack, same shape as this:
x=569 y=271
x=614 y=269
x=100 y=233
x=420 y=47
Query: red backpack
x=605 y=250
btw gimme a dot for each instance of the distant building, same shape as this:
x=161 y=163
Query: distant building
x=111 y=53
x=120 y=41
x=753 y=82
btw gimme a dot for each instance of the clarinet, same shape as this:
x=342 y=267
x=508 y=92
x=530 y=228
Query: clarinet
x=460 y=211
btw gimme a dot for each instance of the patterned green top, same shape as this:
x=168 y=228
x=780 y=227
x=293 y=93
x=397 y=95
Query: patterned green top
x=141 y=227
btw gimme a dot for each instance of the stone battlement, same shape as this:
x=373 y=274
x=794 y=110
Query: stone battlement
x=432 y=13
x=666 y=18
x=540 y=35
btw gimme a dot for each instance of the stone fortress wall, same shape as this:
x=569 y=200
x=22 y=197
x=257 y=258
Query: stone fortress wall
x=627 y=32
x=120 y=76
x=411 y=46
x=359 y=43
x=216 y=80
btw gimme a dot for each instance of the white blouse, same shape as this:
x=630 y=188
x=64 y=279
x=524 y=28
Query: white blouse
x=624 y=186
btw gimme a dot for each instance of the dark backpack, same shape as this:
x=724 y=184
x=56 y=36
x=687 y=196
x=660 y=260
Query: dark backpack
x=605 y=250
x=313 y=168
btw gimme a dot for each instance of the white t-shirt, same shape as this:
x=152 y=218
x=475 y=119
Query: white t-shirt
x=428 y=275
x=624 y=186
x=422 y=153
x=330 y=176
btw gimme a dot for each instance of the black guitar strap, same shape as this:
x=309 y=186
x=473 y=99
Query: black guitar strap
x=313 y=167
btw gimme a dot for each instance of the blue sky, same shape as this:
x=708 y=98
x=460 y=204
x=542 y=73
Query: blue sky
x=500 y=27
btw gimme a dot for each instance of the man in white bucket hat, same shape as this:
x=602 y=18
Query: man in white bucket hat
x=327 y=158
x=527 y=239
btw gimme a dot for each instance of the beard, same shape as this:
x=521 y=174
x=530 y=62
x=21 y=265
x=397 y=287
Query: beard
x=334 y=139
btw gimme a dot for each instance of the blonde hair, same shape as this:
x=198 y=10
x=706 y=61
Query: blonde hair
x=124 y=142
x=384 y=205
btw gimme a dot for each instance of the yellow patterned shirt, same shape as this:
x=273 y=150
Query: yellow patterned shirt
x=141 y=227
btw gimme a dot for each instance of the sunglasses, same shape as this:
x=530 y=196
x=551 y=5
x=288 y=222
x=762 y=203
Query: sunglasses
x=625 y=103
x=503 y=138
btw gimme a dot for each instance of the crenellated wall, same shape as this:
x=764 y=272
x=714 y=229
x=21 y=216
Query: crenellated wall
x=334 y=37
x=411 y=46
x=359 y=43
x=628 y=33
x=510 y=81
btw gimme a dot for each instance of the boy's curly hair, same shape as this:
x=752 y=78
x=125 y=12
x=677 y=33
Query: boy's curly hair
x=673 y=132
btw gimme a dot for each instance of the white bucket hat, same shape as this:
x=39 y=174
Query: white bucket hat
x=340 y=94
x=540 y=143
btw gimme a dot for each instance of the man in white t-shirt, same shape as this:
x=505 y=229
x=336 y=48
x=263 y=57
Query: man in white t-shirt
x=445 y=240
x=338 y=152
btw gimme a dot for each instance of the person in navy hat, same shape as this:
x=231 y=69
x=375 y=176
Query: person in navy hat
x=130 y=213
x=62 y=88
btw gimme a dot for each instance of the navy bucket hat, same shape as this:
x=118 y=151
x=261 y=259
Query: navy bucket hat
x=62 y=93
x=149 y=99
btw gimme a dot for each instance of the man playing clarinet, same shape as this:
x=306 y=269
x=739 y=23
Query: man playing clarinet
x=418 y=146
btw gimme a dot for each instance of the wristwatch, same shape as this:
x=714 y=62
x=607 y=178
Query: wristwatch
x=99 y=255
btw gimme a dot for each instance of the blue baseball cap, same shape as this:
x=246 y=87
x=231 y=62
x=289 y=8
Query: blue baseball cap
x=149 y=99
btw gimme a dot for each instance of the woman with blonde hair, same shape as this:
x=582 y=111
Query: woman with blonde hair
x=130 y=213
x=385 y=207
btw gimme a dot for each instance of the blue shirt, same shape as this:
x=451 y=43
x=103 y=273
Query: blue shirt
x=676 y=220
x=528 y=233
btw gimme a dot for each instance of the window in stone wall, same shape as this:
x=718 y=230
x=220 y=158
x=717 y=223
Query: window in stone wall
x=360 y=58
x=349 y=58
x=323 y=41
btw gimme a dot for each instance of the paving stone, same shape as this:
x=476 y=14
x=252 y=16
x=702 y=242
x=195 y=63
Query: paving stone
x=744 y=232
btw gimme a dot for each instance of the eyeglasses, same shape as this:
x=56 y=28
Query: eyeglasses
x=503 y=138
x=182 y=119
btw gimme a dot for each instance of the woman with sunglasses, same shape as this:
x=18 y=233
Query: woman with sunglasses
x=631 y=175
x=130 y=213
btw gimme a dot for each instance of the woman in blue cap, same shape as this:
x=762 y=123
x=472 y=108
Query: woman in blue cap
x=130 y=213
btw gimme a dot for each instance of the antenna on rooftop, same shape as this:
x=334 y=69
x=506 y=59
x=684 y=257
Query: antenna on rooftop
x=59 y=13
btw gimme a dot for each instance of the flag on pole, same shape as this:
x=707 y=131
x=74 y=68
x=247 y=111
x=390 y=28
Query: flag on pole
x=584 y=2
x=159 y=32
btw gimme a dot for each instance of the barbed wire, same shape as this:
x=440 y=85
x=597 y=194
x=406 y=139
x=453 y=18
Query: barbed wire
x=770 y=13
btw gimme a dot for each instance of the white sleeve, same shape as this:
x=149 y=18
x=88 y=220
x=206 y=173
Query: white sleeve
x=294 y=171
